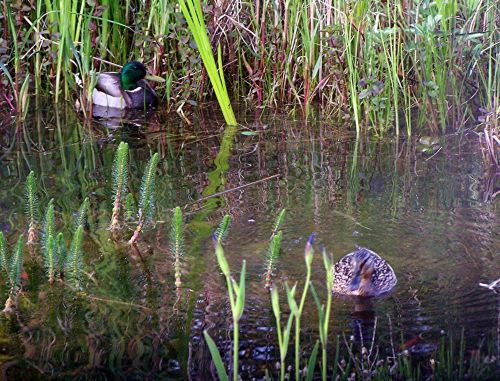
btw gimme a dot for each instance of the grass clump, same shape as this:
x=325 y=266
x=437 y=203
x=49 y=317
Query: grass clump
x=193 y=13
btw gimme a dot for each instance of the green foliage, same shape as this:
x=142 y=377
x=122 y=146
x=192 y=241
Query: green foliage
x=82 y=215
x=278 y=221
x=130 y=209
x=176 y=234
x=120 y=172
x=49 y=225
x=4 y=259
x=74 y=261
x=16 y=265
x=62 y=251
x=223 y=228
x=120 y=181
x=217 y=359
x=194 y=16
x=237 y=296
x=148 y=194
x=31 y=199
x=272 y=256
x=177 y=243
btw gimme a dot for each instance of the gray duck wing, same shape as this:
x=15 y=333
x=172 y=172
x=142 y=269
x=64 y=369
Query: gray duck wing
x=109 y=83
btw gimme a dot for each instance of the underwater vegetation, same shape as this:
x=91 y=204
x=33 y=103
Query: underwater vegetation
x=376 y=65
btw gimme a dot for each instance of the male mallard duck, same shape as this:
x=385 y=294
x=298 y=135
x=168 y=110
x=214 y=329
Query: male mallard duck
x=126 y=89
x=363 y=273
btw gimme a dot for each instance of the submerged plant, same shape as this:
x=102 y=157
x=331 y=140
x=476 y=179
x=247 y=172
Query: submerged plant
x=147 y=197
x=120 y=180
x=177 y=243
x=32 y=210
x=223 y=228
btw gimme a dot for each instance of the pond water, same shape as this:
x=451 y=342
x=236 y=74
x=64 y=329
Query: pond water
x=431 y=217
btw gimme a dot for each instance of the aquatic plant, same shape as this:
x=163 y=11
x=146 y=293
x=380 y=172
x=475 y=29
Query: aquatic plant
x=147 y=197
x=81 y=216
x=193 y=13
x=74 y=258
x=11 y=267
x=32 y=207
x=274 y=249
x=130 y=209
x=283 y=333
x=223 y=228
x=272 y=256
x=296 y=309
x=49 y=244
x=177 y=243
x=120 y=181
x=4 y=259
x=324 y=311
x=237 y=302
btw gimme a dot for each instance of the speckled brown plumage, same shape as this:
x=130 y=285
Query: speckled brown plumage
x=383 y=278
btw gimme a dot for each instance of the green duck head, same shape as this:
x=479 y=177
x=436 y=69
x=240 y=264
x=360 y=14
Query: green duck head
x=131 y=73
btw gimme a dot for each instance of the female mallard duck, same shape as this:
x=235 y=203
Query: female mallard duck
x=363 y=273
x=126 y=89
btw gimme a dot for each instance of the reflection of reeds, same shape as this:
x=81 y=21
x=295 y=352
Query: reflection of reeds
x=491 y=146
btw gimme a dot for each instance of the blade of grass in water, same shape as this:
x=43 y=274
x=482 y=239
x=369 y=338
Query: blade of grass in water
x=194 y=16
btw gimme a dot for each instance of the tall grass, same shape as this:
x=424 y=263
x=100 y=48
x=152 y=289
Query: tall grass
x=193 y=13
x=383 y=65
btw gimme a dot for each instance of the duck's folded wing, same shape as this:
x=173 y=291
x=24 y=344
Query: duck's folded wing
x=109 y=83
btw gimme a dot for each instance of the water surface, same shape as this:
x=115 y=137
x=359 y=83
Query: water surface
x=431 y=217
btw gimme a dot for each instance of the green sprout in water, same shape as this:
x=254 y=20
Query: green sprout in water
x=147 y=197
x=11 y=269
x=223 y=228
x=193 y=13
x=32 y=210
x=49 y=243
x=120 y=180
x=237 y=302
x=272 y=257
x=74 y=258
x=177 y=243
